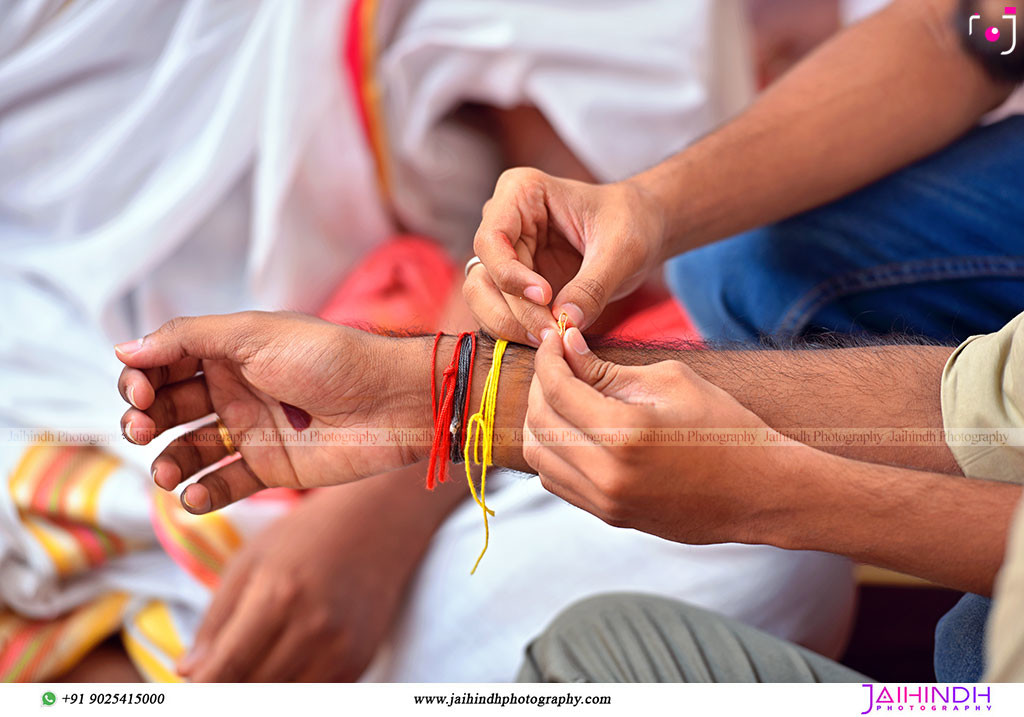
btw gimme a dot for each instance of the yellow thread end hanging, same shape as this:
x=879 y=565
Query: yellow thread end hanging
x=563 y=319
x=480 y=437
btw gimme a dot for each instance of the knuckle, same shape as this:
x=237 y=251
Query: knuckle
x=471 y=289
x=615 y=485
x=158 y=376
x=176 y=326
x=677 y=371
x=520 y=175
x=590 y=291
x=244 y=335
x=548 y=484
x=165 y=412
x=530 y=317
x=607 y=508
x=505 y=325
x=617 y=521
x=504 y=275
x=533 y=454
x=604 y=374
x=480 y=245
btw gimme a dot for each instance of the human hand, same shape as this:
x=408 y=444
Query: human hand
x=250 y=363
x=701 y=492
x=541 y=237
x=312 y=597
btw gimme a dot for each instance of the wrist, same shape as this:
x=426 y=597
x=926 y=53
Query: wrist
x=409 y=398
x=651 y=204
x=798 y=501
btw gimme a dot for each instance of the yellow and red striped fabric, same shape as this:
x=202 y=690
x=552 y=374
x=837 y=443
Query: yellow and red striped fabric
x=39 y=650
x=201 y=544
x=56 y=492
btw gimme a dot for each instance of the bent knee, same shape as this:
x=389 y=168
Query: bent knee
x=611 y=638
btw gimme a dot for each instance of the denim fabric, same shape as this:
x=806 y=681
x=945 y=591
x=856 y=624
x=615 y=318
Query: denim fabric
x=934 y=250
x=960 y=641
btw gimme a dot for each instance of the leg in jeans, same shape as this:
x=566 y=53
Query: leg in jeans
x=933 y=250
x=640 y=638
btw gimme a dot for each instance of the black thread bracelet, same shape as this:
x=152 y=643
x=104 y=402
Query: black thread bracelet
x=465 y=365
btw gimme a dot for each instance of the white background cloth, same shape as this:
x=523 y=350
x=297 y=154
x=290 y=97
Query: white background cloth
x=202 y=156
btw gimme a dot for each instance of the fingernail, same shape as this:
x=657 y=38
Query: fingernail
x=152 y=472
x=129 y=347
x=534 y=294
x=545 y=333
x=202 y=507
x=129 y=434
x=574 y=338
x=574 y=313
x=131 y=396
x=532 y=339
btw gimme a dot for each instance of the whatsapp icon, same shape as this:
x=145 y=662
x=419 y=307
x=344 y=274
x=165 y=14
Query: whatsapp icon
x=49 y=698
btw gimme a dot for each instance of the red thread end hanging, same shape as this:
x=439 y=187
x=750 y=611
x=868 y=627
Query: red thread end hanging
x=443 y=403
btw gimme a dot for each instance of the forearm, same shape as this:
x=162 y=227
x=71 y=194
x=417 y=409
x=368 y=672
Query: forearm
x=948 y=530
x=802 y=498
x=877 y=97
x=879 y=404
x=819 y=397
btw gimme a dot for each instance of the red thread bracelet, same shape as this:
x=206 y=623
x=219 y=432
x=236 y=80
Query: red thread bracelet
x=443 y=406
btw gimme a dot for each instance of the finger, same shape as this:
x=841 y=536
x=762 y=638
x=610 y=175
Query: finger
x=586 y=295
x=557 y=475
x=566 y=482
x=228 y=337
x=174 y=405
x=552 y=436
x=138 y=387
x=573 y=398
x=222 y=487
x=532 y=318
x=225 y=598
x=502 y=226
x=490 y=309
x=252 y=627
x=187 y=455
x=328 y=666
x=288 y=657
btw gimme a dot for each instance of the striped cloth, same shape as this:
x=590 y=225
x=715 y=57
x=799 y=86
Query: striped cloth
x=67 y=502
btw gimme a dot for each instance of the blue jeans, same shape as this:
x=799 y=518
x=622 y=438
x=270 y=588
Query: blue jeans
x=960 y=641
x=935 y=250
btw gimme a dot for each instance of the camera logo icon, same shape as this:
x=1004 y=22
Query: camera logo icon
x=994 y=34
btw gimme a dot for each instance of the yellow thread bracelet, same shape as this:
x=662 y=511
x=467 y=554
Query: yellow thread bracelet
x=480 y=435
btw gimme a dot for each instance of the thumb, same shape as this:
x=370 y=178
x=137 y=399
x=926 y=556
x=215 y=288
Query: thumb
x=229 y=337
x=584 y=298
x=605 y=376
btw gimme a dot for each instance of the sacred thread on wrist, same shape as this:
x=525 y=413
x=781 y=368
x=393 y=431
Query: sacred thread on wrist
x=480 y=441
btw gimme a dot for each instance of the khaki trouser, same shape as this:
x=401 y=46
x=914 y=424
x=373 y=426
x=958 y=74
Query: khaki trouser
x=639 y=638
